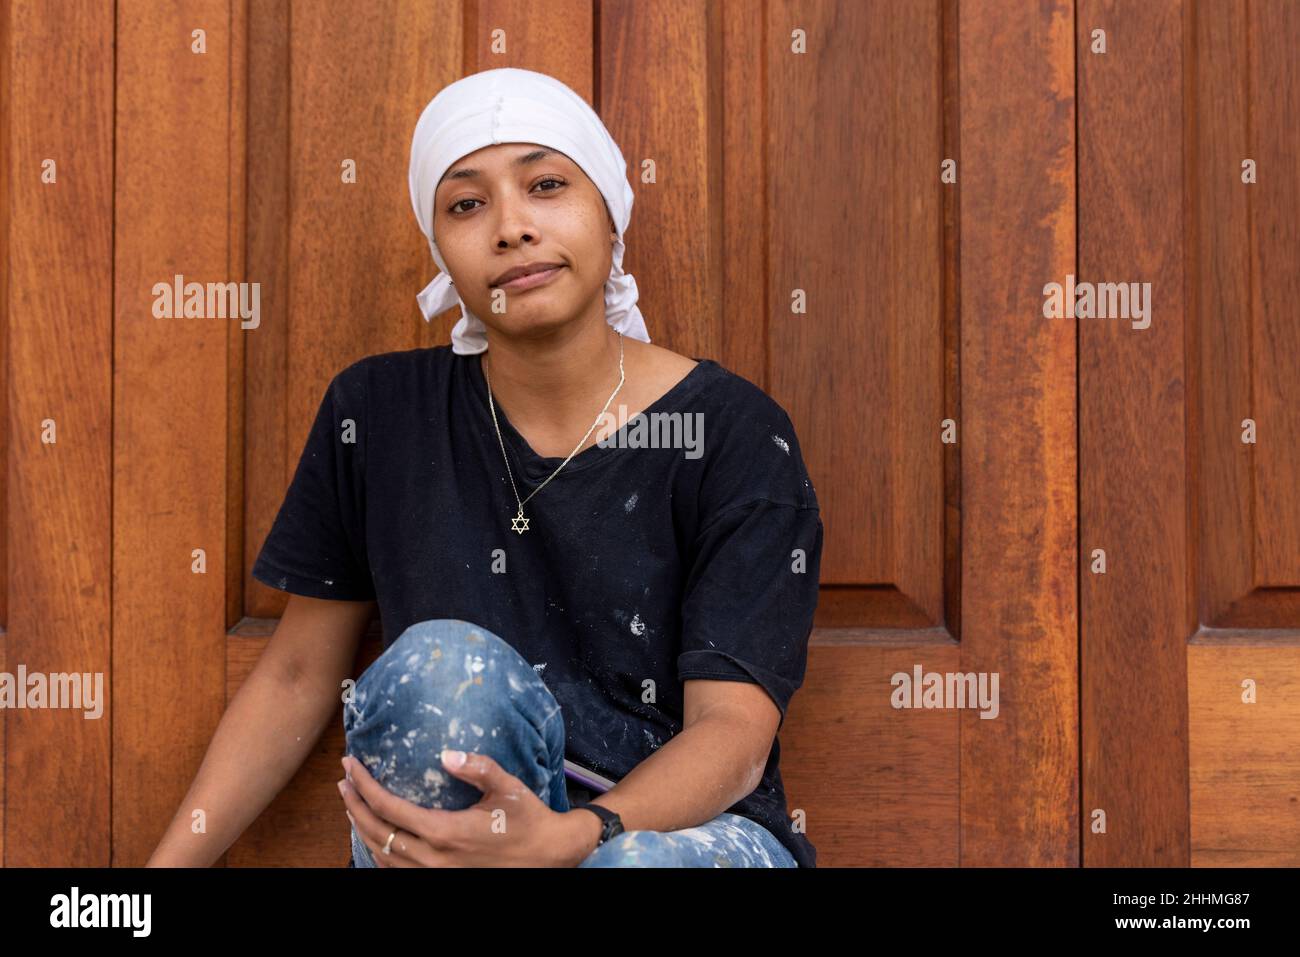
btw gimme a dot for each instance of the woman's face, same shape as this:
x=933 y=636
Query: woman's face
x=512 y=204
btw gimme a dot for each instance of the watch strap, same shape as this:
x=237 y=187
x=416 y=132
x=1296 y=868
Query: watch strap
x=611 y=823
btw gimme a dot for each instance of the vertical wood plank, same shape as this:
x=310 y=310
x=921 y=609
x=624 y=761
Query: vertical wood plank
x=59 y=356
x=171 y=378
x=1221 y=297
x=1019 y=785
x=878 y=787
x=266 y=452
x=1245 y=758
x=745 y=54
x=657 y=102
x=6 y=45
x=921 y=352
x=855 y=222
x=830 y=200
x=1133 y=456
x=555 y=38
x=236 y=336
x=1274 y=84
x=5 y=151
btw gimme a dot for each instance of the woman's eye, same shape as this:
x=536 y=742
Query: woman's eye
x=453 y=208
x=551 y=179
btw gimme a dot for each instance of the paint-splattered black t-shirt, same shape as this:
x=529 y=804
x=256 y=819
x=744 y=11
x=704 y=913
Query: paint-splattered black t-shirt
x=687 y=546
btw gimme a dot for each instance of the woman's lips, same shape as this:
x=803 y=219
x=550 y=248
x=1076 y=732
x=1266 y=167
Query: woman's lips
x=532 y=280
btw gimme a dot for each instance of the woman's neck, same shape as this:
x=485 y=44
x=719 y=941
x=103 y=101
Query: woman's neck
x=552 y=391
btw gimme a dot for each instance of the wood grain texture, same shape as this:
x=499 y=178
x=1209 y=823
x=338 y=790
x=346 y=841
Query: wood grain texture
x=1242 y=250
x=171 y=378
x=267 y=464
x=6 y=150
x=5 y=219
x=1132 y=450
x=1274 y=141
x=1019 y=774
x=661 y=105
x=1245 y=758
x=830 y=198
x=741 y=67
x=1219 y=231
x=237 y=336
x=855 y=222
x=878 y=787
x=1243 y=244
x=59 y=352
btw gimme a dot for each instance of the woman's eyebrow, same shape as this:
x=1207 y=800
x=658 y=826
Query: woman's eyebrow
x=533 y=157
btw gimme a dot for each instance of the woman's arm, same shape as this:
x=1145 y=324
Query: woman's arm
x=716 y=760
x=271 y=726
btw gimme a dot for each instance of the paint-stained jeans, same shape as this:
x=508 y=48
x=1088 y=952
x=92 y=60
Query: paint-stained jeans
x=449 y=683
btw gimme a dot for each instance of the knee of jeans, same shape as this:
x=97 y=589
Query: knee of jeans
x=442 y=683
x=635 y=849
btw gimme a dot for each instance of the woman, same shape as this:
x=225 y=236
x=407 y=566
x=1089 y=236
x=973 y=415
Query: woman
x=637 y=599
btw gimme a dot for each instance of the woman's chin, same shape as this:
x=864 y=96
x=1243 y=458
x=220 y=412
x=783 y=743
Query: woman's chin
x=534 y=318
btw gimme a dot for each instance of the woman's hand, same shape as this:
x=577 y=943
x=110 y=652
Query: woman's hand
x=509 y=827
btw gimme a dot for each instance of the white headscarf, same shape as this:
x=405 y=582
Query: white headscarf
x=510 y=105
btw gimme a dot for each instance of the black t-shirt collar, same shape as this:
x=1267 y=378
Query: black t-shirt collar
x=537 y=467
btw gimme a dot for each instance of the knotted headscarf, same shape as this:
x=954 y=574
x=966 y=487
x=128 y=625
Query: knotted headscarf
x=510 y=105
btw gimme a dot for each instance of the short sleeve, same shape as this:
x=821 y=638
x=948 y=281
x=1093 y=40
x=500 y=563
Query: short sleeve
x=747 y=613
x=316 y=546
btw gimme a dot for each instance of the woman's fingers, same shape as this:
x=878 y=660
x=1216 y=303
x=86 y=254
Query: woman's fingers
x=425 y=823
x=372 y=829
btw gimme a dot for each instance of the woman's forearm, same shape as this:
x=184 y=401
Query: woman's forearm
x=695 y=776
x=263 y=739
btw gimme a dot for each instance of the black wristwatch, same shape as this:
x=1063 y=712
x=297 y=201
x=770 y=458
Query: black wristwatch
x=612 y=823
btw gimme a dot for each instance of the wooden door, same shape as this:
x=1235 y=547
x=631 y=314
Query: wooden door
x=1188 y=179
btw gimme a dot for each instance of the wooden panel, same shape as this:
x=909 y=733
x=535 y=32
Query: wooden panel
x=1245 y=758
x=267 y=456
x=1274 y=83
x=854 y=179
x=171 y=376
x=1019 y=777
x=878 y=786
x=556 y=38
x=1220 y=271
x=1132 y=452
x=236 y=335
x=1245 y=246
x=741 y=337
x=654 y=74
x=59 y=355
x=6 y=35
x=5 y=151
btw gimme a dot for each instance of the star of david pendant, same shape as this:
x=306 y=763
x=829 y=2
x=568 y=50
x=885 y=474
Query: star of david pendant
x=515 y=523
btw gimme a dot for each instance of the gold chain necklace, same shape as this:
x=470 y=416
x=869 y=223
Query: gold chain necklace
x=519 y=523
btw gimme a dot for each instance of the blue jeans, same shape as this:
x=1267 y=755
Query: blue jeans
x=449 y=683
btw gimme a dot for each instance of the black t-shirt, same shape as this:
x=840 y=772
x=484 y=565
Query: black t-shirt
x=641 y=567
